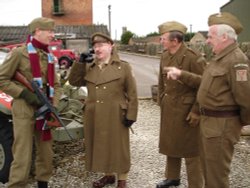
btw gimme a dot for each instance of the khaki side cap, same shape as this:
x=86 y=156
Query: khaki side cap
x=100 y=37
x=41 y=23
x=225 y=18
x=172 y=26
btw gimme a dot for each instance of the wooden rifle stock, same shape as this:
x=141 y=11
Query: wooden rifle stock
x=23 y=80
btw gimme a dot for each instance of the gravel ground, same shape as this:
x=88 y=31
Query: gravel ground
x=147 y=164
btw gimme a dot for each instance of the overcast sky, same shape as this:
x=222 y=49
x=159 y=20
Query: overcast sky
x=139 y=16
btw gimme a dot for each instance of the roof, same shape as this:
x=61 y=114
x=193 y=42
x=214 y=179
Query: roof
x=151 y=39
x=20 y=33
x=204 y=33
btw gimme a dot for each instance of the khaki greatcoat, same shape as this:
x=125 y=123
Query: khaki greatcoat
x=176 y=99
x=112 y=95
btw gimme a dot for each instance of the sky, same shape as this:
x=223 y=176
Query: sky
x=141 y=17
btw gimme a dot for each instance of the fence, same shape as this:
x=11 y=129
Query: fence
x=156 y=49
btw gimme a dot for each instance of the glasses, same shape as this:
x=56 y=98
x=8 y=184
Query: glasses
x=99 y=45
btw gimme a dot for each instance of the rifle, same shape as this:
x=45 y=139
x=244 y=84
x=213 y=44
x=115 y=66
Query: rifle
x=47 y=106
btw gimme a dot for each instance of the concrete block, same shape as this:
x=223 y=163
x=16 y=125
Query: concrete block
x=74 y=128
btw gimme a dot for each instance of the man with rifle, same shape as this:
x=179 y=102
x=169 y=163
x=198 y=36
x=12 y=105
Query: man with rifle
x=34 y=62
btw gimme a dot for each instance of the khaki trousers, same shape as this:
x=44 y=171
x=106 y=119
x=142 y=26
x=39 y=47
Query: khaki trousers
x=193 y=168
x=24 y=133
x=219 y=135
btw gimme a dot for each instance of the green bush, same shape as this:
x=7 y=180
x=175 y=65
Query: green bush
x=126 y=37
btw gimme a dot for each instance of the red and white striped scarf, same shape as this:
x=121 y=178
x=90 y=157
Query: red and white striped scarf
x=32 y=45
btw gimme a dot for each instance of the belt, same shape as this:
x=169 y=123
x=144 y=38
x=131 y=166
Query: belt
x=215 y=113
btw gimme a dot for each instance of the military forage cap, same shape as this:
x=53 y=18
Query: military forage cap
x=100 y=37
x=172 y=26
x=225 y=18
x=41 y=23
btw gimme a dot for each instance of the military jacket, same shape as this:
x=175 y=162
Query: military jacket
x=226 y=83
x=18 y=59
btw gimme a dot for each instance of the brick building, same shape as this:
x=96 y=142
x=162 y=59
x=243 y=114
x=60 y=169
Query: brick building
x=74 y=24
x=69 y=12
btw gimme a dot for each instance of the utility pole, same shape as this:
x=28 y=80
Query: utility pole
x=190 y=28
x=109 y=11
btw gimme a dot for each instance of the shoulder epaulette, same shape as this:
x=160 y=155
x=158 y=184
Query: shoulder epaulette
x=241 y=65
x=193 y=51
x=124 y=61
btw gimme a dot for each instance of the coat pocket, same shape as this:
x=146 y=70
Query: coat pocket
x=20 y=109
x=188 y=100
x=211 y=131
x=124 y=108
x=216 y=82
x=212 y=127
x=123 y=111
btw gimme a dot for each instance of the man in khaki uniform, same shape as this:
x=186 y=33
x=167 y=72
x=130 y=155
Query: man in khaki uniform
x=179 y=129
x=111 y=108
x=34 y=62
x=223 y=97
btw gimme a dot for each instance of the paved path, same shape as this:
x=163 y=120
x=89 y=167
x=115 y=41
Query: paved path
x=145 y=70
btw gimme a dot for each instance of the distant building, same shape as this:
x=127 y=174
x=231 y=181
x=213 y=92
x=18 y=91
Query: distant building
x=69 y=12
x=19 y=33
x=74 y=36
x=198 y=42
x=241 y=9
x=74 y=23
x=146 y=45
x=199 y=38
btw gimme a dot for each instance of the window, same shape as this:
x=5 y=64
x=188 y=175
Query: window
x=57 y=7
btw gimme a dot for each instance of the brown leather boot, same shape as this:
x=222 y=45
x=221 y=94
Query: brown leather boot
x=122 y=184
x=105 y=180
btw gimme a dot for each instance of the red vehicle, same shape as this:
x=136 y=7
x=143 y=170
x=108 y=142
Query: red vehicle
x=6 y=133
x=9 y=47
x=65 y=57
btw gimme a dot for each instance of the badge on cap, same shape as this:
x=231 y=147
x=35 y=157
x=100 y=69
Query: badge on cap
x=218 y=15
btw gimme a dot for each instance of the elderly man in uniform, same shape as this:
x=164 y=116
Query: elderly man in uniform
x=111 y=108
x=179 y=131
x=223 y=98
x=34 y=62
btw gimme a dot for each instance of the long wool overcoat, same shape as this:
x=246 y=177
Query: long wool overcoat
x=177 y=98
x=112 y=96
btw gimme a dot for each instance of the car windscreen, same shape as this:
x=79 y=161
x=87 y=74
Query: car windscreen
x=3 y=54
